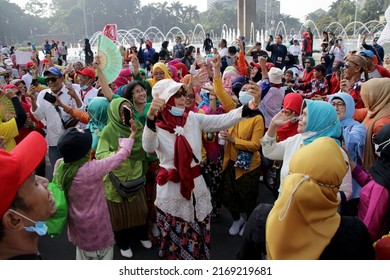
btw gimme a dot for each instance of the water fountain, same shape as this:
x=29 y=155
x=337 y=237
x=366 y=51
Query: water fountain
x=351 y=34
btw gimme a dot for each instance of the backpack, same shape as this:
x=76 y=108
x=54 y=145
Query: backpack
x=373 y=207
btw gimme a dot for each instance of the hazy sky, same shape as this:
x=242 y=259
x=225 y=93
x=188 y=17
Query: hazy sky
x=293 y=7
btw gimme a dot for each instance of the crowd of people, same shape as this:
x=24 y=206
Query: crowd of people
x=155 y=154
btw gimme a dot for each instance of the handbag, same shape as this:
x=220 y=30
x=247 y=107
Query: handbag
x=72 y=122
x=56 y=223
x=244 y=159
x=127 y=188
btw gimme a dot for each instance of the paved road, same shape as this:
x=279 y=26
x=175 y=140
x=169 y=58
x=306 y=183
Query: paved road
x=223 y=246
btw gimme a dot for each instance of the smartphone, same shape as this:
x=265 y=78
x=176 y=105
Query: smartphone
x=49 y=98
x=128 y=114
x=197 y=50
x=271 y=37
x=342 y=72
x=248 y=78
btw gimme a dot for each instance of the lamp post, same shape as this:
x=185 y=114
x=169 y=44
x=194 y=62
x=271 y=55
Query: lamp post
x=85 y=20
x=354 y=25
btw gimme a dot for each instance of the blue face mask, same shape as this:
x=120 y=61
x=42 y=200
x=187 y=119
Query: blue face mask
x=39 y=227
x=244 y=97
x=177 y=112
x=84 y=87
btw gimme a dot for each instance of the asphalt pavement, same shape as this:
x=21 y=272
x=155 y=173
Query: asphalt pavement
x=223 y=245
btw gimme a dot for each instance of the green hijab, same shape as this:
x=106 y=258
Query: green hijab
x=65 y=172
x=97 y=109
x=116 y=129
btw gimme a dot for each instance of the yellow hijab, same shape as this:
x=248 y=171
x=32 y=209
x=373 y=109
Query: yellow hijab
x=375 y=94
x=162 y=67
x=304 y=219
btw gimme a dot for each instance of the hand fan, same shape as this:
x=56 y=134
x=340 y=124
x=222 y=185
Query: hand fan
x=110 y=58
x=7 y=110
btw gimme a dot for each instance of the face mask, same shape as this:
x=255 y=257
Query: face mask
x=193 y=55
x=84 y=87
x=244 y=97
x=378 y=148
x=177 y=112
x=39 y=227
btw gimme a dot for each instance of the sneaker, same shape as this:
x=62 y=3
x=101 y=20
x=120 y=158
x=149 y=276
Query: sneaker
x=146 y=243
x=127 y=253
x=242 y=230
x=236 y=226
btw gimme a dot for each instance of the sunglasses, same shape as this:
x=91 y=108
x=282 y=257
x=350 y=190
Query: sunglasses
x=190 y=96
x=180 y=93
x=51 y=79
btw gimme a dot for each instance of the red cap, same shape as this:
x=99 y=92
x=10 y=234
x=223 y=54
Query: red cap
x=10 y=86
x=257 y=65
x=45 y=61
x=29 y=64
x=87 y=71
x=18 y=165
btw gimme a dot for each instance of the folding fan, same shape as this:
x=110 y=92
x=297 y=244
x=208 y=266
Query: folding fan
x=110 y=58
x=7 y=110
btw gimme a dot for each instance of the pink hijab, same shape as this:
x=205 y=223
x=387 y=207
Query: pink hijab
x=227 y=80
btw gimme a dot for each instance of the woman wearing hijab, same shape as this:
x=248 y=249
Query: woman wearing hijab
x=374 y=207
x=304 y=223
x=354 y=135
x=227 y=79
x=183 y=200
x=128 y=215
x=318 y=119
x=136 y=94
x=241 y=160
x=89 y=225
x=376 y=99
x=292 y=104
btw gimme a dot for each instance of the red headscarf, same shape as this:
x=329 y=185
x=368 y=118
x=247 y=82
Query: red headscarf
x=292 y=101
x=182 y=148
x=181 y=66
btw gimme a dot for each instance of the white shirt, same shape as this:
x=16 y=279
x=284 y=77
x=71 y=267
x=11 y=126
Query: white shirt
x=168 y=197
x=284 y=150
x=295 y=50
x=86 y=95
x=48 y=113
x=223 y=52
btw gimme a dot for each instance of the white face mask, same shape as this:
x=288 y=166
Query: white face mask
x=244 y=97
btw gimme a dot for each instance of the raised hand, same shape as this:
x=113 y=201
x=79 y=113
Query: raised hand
x=158 y=105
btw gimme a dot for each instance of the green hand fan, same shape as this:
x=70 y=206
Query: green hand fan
x=110 y=58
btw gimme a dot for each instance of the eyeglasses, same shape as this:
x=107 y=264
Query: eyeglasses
x=190 y=96
x=180 y=93
x=338 y=105
x=347 y=64
x=51 y=79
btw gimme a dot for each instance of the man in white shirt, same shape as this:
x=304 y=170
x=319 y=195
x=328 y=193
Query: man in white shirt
x=85 y=79
x=43 y=108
